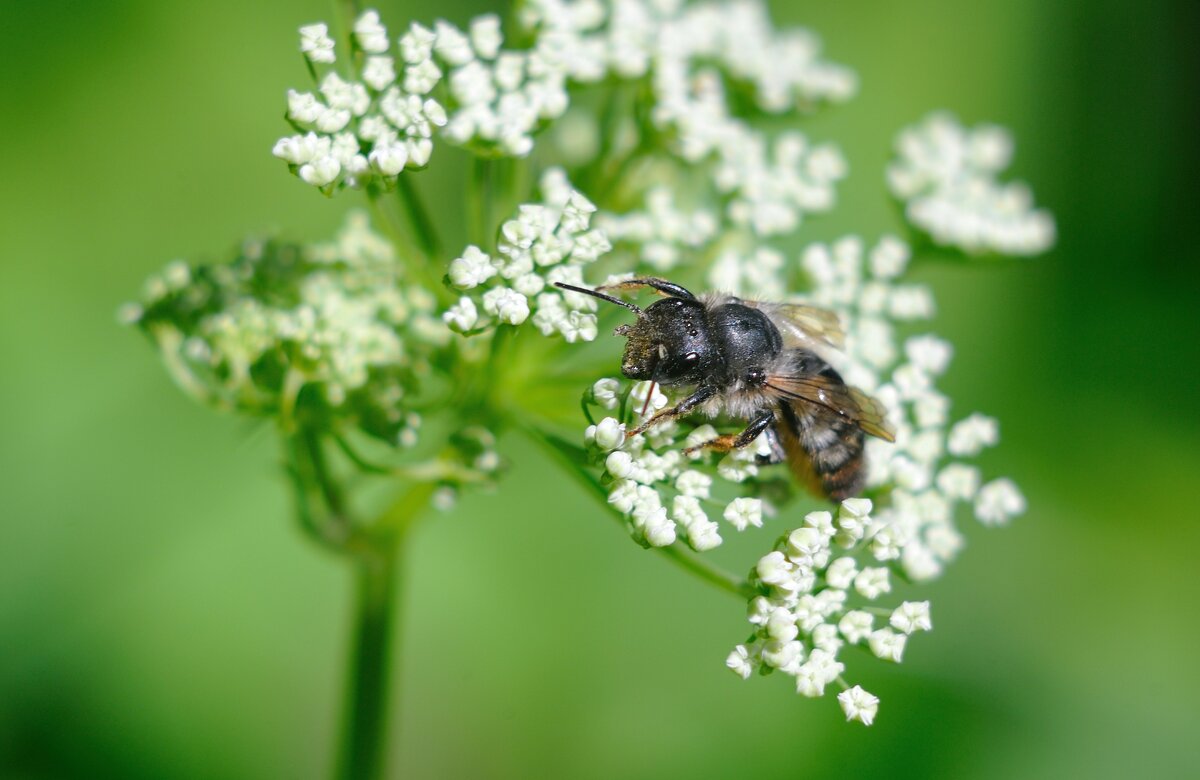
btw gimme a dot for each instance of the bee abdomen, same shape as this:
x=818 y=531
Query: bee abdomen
x=839 y=464
x=825 y=453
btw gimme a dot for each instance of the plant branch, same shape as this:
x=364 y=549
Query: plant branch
x=418 y=217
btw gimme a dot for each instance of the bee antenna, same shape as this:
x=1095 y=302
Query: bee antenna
x=600 y=295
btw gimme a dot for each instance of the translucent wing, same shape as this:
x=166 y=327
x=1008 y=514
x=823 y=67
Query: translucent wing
x=850 y=403
x=803 y=325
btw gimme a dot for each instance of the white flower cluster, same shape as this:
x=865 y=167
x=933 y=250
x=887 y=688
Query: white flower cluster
x=253 y=334
x=662 y=232
x=946 y=176
x=917 y=528
x=816 y=599
x=382 y=121
x=372 y=127
x=817 y=584
x=813 y=578
x=545 y=243
x=499 y=98
x=689 y=53
x=665 y=495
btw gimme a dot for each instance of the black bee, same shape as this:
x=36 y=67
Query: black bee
x=754 y=360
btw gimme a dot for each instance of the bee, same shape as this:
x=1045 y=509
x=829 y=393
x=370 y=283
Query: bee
x=756 y=361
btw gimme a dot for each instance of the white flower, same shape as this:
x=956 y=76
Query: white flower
x=872 y=582
x=889 y=257
x=316 y=44
x=451 y=45
x=740 y=663
x=658 y=528
x=303 y=107
x=855 y=507
x=321 y=171
x=506 y=305
x=859 y=705
x=389 y=156
x=807 y=547
x=821 y=669
x=887 y=644
x=619 y=464
x=775 y=569
x=958 y=481
x=782 y=653
x=693 y=483
x=841 y=573
x=972 y=435
x=929 y=353
x=998 y=501
x=370 y=33
x=703 y=535
x=911 y=616
x=379 y=72
x=462 y=316
x=579 y=326
x=421 y=78
x=856 y=625
x=485 y=35
x=472 y=269
x=416 y=45
x=743 y=512
x=609 y=434
x=822 y=522
x=605 y=393
x=299 y=149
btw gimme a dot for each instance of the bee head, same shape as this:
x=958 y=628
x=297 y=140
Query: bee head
x=669 y=342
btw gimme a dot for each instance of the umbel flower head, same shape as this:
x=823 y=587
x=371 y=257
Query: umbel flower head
x=661 y=164
x=331 y=324
x=818 y=589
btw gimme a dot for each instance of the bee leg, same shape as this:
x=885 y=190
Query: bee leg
x=778 y=453
x=735 y=442
x=661 y=285
x=701 y=395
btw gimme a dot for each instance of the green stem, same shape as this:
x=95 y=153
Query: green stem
x=375 y=552
x=570 y=456
x=413 y=257
x=367 y=687
x=422 y=225
x=363 y=754
x=479 y=203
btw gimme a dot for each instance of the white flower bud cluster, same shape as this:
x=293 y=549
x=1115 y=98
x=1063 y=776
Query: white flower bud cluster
x=819 y=583
x=545 y=243
x=499 y=98
x=372 y=127
x=661 y=232
x=946 y=176
x=689 y=52
x=665 y=495
x=253 y=334
x=916 y=531
x=816 y=599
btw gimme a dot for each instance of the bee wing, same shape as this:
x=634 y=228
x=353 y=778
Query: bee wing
x=802 y=324
x=848 y=402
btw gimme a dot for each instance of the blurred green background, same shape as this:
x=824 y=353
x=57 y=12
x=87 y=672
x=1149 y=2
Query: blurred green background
x=160 y=616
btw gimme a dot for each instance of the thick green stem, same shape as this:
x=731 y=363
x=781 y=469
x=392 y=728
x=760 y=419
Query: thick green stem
x=367 y=689
x=375 y=551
